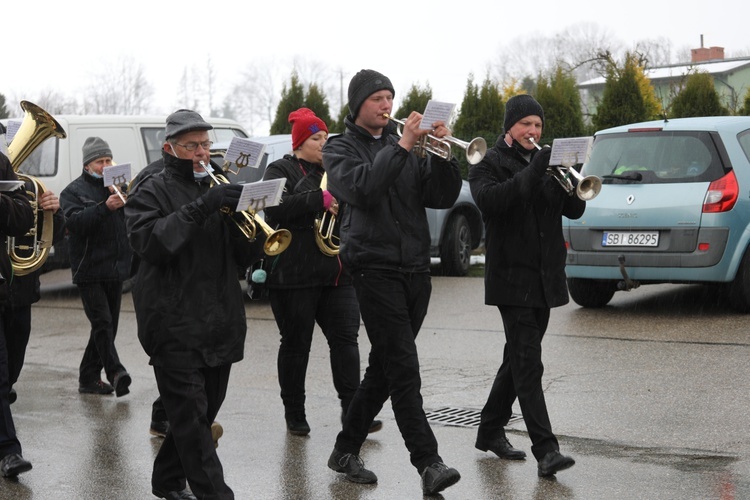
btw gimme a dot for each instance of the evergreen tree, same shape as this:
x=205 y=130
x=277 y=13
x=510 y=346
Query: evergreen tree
x=3 y=110
x=318 y=103
x=698 y=98
x=415 y=100
x=481 y=116
x=561 y=102
x=622 y=101
x=338 y=126
x=292 y=98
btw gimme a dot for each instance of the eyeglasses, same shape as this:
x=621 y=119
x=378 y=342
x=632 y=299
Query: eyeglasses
x=192 y=146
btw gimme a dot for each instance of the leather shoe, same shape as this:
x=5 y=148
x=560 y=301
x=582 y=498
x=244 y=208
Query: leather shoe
x=13 y=465
x=500 y=447
x=95 y=387
x=122 y=383
x=12 y=396
x=553 y=462
x=297 y=424
x=159 y=428
x=175 y=495
x=375 y=426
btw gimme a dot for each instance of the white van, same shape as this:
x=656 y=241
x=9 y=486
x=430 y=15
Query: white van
x=133 y=139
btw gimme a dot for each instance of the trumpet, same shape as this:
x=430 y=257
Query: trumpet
x=586 y=188
x=441 y=147
x=276 y=241
x=327 y=242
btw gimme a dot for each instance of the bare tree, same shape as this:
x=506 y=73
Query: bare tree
x=253 y=100
x=119 y=87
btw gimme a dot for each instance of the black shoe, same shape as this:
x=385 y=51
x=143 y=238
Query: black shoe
x=554 y=461
x=297 y=424
x=12 y=396
x=375 y=426
x=500 y=447
x=174 y=495
x=159 y=428
x=351 y=465
x=122 y=383
x=437 y=477
x=96 y=387
x=13 y=465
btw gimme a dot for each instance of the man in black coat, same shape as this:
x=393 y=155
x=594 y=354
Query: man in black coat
x=385 y=243
x=522 y=208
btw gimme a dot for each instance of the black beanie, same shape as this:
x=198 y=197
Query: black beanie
x=363 y=85
x=519 y=107
x=95 y=148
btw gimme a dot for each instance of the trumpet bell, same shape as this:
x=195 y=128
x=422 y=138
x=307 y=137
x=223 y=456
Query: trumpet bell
x=589 y=188
x=276 y=241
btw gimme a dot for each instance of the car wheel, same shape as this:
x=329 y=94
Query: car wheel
x=591 y=293
x=455 y=252
x=738 y=291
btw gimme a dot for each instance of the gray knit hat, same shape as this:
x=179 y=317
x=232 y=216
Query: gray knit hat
x=519 y=107
x=95 y=148
x=363 y=85
x=185 y=120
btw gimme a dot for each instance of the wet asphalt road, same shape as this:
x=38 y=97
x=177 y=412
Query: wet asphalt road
x=649 y=395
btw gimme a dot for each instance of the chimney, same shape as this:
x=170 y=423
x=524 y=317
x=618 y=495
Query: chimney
x=706 y=54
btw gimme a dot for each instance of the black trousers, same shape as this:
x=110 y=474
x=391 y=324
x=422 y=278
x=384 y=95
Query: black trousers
x=191 y=398
x=19 y=331
x=101 y=302
x=520 y=375
x=8 y=440
x=296 y=310
x=393 y=306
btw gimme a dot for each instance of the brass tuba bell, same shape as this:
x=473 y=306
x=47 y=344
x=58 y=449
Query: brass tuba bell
x=327 y=242
x=29 y=252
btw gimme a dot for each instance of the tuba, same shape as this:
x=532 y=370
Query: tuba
x=328 y=243
x=29 y=252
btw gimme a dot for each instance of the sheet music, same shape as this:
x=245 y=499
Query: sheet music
x=8 y=186
x=572 y=151
x=244 y=152
x=11 y=129
x=436 y=111
x=259 y=195
x=117 y=174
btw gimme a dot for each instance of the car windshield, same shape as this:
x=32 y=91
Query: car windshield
x=655 y=157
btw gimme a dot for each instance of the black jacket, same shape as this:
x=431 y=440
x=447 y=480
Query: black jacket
x=302 y=264
x=97 y=239
x=16 y=218
x=522 y=212
x=189 y=304
x=386 y=190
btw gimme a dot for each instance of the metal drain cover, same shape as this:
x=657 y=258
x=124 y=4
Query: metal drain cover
x=459 y=417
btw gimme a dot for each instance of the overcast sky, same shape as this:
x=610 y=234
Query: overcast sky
x=60 y=45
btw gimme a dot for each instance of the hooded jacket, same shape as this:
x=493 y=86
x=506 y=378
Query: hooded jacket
x=386 y=190
x=188 y=301
x=97 y=239
x=522 y=212
x=16 y=218
x=302 y=264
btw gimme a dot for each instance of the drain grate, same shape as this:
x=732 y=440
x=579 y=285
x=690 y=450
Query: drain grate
x=460 y=417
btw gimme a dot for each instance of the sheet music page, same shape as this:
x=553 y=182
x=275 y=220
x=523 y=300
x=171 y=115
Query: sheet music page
x=258 y=195
x=572 y=151
x=436 y=111
x=8 y=186
x=3 y=148
x=11 y=129
x=117 y=174
x=244 y=152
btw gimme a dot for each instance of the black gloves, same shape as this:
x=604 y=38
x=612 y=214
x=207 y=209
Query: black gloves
x=223 y=195
x=540 y=162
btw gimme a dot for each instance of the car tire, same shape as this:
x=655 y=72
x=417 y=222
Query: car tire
x=738 y=291
x=591 y=293
x=455 y=251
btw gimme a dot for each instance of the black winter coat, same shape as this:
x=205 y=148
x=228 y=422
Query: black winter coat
x=522 y=212
x=188 y=301
x=97 y=238
x=386 y=190
x=302 y=264
x=16 y=218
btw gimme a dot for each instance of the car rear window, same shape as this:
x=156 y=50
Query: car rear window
x=655 y=157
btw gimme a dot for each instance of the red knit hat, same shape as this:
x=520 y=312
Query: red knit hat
x=304 y=124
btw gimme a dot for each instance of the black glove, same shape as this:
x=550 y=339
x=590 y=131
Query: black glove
x=223 y=195
x=540 y=162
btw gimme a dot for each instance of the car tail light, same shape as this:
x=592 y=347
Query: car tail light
x=722 y=194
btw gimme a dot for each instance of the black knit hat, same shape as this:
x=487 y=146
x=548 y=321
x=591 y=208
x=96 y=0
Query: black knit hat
x=95 y=148
x=519 y=107
x=185 y=120
x=363 y=85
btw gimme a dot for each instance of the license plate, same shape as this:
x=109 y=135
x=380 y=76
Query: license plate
x=630 y=239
